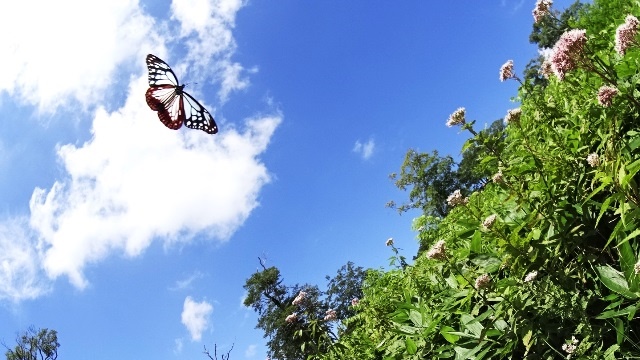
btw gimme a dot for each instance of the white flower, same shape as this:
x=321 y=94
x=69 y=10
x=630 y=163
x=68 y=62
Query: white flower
x=593 y=160
x=457 y=118
x=531 y=276
x=497 y=177
x=456 y=198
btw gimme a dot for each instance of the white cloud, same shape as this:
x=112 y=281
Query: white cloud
x=136 y=181
x=195 y=317
x=251 y=351
x=20 y=274
x=178 y=346
x=186 y=283
x=211 y=21
x=364 y=149
x=68 y=49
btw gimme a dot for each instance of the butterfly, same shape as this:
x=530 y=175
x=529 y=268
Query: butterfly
x=174 y=106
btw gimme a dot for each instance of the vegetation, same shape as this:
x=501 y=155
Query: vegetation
x=35 y=344
x=533 y=253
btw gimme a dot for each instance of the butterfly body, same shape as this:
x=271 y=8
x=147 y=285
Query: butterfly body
x=174 y=106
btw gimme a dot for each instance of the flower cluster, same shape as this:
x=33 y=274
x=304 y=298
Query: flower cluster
x=456 y=198
x=531 y=276
x=513 y=116
x=606 y=95
x=330 y=315
x=291 y=318
x=457 y=118
x=506 y=71
x=438 y=251
x=497 y=177
x=636 y=268
x=300 y=298
x=483 y=281
x=489 y=221
x=626 y=34
x=542 y=8
x=570 y=348
x=389 y=242
x=593 y=160
x=546 y=69
x=568 y=51
x=355 y=301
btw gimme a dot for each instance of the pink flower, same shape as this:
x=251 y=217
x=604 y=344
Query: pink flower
x=568 y=51
x=300 y=298
x=330 y=315
x=291 y=318
x=606 y=95
x=438 y=251
x=546 y=69
x=483 y=281
x=506 y=71
x=626 y=34
x=355 y=301
x=457 y=118
x=542 y=8
x=489 y=221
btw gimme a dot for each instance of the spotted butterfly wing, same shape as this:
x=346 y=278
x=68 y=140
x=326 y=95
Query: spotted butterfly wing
x=174 y=106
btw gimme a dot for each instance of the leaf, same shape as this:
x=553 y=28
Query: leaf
x=610 y=353
x=410 y=346
x=476 y=243
x=526 y=339
x=613 y=279
x=445 y=331
x=415 y=317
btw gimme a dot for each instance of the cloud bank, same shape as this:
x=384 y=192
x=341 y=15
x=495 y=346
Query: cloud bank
x=133 y=181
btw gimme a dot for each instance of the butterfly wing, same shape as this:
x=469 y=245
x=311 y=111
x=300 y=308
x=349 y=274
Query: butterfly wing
x=196 y=116
x=160 y=72
x=166 y=101
x=174 y=106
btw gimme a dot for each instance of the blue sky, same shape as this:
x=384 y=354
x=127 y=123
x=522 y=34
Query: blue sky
x=133 y=241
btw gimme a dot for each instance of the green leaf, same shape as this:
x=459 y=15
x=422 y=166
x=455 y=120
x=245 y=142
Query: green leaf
x=610 y=353
x=410 y=346
x=614 y=281
x=445 y=331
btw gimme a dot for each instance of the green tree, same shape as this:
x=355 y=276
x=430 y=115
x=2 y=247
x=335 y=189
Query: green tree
x=35 y=344
x=300 y=330
x=431 y=178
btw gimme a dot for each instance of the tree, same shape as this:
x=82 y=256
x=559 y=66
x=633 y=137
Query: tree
x=433 y=178
x=35 y=345
x=297 y=318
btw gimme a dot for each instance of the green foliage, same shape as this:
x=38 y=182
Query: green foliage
x=541 y=262
x=35 y=344
x=433 y=178
x=301 y=330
